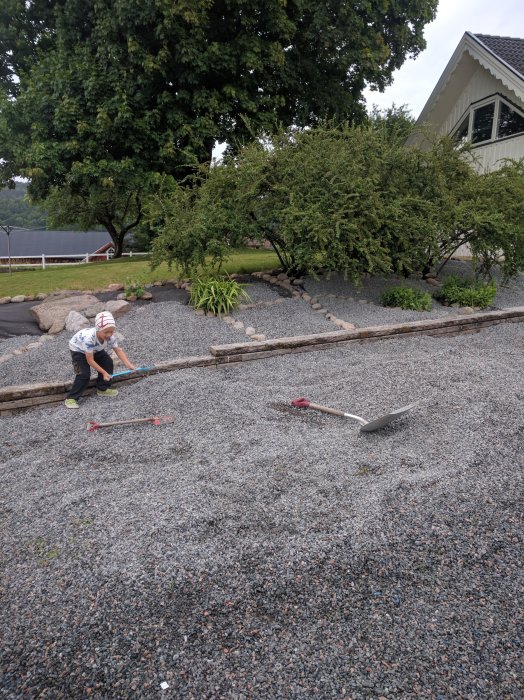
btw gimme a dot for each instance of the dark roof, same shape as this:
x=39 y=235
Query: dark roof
x=52 y=242
x=509 y=50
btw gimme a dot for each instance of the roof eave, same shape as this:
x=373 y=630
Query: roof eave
x=487 y=58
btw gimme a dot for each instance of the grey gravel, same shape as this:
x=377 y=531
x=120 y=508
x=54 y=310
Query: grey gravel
x=509 y=293
x=13 y=343
x=252 y=550
x=291 y=317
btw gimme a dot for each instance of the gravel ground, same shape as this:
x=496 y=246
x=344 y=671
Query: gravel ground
x=252 y=550
x=289 y=318
x=508 y=293
x=249 y=537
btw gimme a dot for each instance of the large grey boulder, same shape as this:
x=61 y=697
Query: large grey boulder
x=75 y=321
x=95 y=309
x=52 y=313
x=117 y=307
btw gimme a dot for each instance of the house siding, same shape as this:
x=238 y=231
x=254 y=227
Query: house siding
x=481 y=85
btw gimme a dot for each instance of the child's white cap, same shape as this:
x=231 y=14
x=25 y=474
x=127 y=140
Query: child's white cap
x=104 y=320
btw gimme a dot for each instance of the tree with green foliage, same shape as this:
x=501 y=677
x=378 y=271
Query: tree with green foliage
x=353 y=200
x=103 y=94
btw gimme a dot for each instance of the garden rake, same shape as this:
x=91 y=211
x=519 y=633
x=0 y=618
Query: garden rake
x=366 y=426
x=154 y=420
x=138 y=370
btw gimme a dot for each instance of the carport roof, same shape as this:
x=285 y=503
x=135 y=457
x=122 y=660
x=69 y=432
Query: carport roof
x=35 y=243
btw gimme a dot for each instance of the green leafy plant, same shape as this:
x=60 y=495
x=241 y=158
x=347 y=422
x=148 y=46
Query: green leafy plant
x=217 y=296
x=134 y=288
x=466 y=292
x=407 y=298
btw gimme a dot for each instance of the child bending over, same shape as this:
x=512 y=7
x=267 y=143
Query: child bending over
x=89 y=348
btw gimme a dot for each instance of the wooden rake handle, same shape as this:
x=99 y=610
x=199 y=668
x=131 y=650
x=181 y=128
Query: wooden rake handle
x=155 y=420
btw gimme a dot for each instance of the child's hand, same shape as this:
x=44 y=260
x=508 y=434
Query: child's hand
x=130 y=366
x=106 y=376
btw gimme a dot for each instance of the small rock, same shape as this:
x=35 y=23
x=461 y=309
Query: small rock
x=467 y=310
x=160 y=283
x=238 y=325
x=130 y=298
x=282 y=277
x=258 y=336
x=316 y=306
x=298 y=281
x=5 y=300
x=200 y=312
x=41 y=296
x=347 y=326
x=147 y=296
x=433 y=282
x=306 y=297
x=120 y=296
x=115 y=287
x=250 y=331
x=18 y=298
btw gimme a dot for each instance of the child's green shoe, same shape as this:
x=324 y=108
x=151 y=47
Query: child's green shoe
x=107 y=392
x=71 y=403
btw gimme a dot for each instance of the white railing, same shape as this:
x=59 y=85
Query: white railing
x=43 y=260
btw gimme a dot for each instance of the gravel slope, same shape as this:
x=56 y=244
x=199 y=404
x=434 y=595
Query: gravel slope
x=251 y=550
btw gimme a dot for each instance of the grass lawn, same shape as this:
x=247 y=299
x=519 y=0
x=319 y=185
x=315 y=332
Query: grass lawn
x=99 y=275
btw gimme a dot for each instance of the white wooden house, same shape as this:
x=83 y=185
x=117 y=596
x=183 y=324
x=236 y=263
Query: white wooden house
x=480 y=98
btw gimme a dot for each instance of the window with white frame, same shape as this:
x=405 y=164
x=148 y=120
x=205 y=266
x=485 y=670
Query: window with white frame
x=491 y=119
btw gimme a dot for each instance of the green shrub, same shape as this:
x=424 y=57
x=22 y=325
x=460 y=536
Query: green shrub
x=217 y=296
x=466 y=292
x=407 y=298
x=134 y=288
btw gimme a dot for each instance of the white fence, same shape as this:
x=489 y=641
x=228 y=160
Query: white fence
x=44 y=261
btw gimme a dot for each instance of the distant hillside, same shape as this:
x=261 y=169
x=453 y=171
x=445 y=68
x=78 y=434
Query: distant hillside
x=17 y=212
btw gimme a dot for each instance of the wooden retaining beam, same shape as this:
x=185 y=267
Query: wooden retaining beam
x=449 y=324
x=17 y=398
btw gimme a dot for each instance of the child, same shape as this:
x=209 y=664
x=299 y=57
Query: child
x=89 y=349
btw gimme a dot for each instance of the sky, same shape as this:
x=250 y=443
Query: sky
x=413 y=83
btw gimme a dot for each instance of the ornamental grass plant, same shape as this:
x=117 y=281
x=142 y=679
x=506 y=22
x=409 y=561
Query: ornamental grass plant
x=217 y=296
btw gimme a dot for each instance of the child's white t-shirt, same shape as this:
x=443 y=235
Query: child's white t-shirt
x=86 y=341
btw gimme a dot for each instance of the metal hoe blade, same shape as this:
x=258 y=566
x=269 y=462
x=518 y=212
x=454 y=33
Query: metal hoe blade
x=382 y=421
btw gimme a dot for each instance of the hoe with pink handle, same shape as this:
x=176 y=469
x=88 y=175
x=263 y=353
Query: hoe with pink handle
x=366 y=426
x=154 y=420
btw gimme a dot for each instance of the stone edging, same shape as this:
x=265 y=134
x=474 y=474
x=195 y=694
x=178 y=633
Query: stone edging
x=16 y=398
